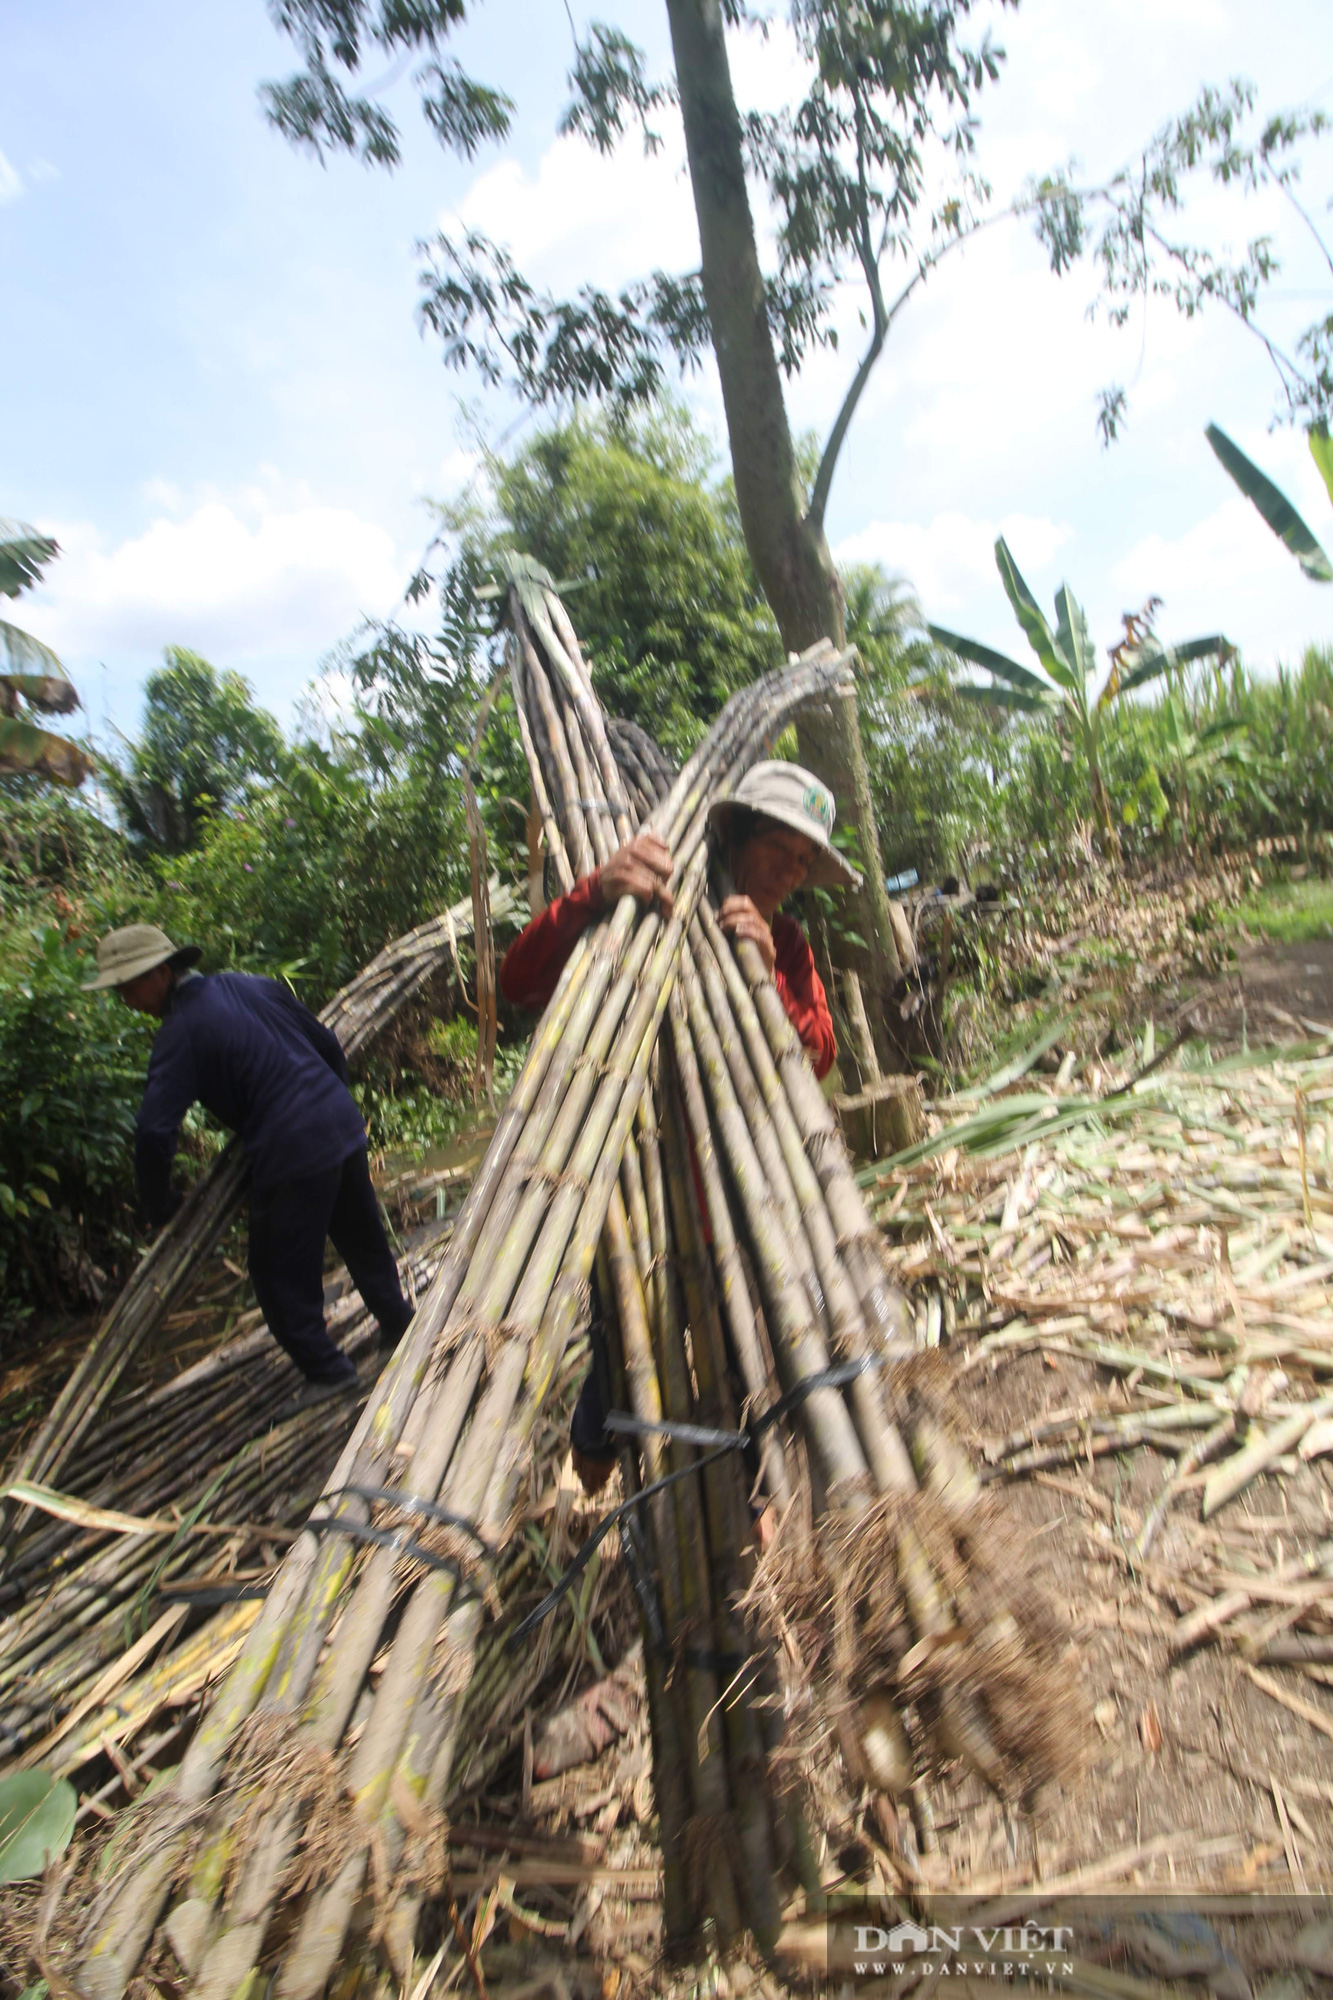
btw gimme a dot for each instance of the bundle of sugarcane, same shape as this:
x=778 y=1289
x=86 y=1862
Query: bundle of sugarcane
x=428 y=1480
x=228 y=1450
x=235 y=1577
x=358 y=1014
x=900 y=1546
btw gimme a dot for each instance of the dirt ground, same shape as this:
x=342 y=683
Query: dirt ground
x=1297 y=977
x=1184 y=1751
x=1194 y=1773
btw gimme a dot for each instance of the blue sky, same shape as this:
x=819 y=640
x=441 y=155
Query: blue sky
x=221 y=404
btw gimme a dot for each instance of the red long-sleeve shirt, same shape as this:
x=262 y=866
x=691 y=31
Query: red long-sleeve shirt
x=534 y=961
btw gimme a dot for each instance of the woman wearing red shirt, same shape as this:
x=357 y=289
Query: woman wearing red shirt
x=772 y=837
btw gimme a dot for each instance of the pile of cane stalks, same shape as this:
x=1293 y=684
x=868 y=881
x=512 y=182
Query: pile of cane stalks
x=1167 y=1247
x=358 y=1015
x=667 y=1136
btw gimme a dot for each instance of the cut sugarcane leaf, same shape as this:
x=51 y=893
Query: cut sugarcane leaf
x=1274 y=505
x=36 y=1822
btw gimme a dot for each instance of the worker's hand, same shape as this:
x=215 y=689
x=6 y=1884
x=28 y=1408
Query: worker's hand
x=740 y=919
x=641 y=868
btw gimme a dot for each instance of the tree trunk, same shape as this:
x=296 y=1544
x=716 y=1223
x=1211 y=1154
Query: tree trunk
x=787 y=545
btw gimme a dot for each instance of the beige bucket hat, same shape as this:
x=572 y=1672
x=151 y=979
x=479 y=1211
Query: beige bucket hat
x=126 y=954
x=795 y=797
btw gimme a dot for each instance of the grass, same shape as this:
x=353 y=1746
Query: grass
x=1288 y=912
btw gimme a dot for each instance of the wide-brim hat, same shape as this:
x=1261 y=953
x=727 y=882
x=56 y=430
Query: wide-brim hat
x=127 y=954
x=795 y=798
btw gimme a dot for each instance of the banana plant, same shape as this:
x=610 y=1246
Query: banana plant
x=1067 y=686
x=35 y=681
x=1273 y=503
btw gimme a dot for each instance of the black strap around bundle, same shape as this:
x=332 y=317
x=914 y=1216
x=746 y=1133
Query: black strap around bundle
x=717 y=1444
x=403 y=1544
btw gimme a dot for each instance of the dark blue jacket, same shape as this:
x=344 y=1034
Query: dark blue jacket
x=249 y=1052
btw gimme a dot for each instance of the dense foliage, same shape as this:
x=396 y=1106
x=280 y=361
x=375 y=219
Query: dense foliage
x=665 y=600
x=303 y=853
x=71 y=1074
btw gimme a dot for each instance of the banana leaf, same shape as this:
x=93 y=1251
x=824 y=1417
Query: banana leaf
x=24 y=554
x=978 y=655
x=1321 y=451
x=28 y=657
x=996 y=696
x=1274 y=505
x=1071 y=634
x=51 y=694
x=1148 y=662
x=36 y=752
x=1029 y=615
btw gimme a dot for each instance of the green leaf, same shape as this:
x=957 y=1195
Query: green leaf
x=1029 y=615
x=27 y=656
x=24 y=554
x=997 y=696
x=986 y=656
x=1274 y=505
x=1071 y=633
x=36 y=1822
x=1321 y=451
x=1150 y=662
x=52 y=694
x=25 y=747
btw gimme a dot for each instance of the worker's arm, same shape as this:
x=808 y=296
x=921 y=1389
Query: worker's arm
x=533 y=963
x=323 y=1040
x=531 y=968
x=170 y=1091
x=801 y=991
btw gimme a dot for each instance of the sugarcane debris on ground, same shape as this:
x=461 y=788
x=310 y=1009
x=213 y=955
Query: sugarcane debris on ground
x=1052 y=1611
x=1125 y=1308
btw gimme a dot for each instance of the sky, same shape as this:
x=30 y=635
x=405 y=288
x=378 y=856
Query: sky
x=222 y=405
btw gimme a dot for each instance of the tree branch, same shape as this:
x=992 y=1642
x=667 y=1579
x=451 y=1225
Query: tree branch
x=884 y=318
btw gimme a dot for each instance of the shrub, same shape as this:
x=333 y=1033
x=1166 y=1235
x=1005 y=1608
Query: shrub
x=72 y=1067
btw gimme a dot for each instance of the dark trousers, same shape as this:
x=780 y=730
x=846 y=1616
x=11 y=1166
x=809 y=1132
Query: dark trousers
x=289 y=1222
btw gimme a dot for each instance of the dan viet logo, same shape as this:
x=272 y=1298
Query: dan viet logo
x=972 y=1950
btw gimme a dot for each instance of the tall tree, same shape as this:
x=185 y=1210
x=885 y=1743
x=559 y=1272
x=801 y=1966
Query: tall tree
x=843 y=171
x=203 y=745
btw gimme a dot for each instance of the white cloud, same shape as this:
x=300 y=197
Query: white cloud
x=581 y=219
x=11 y=186
x=950 y=560
x=254 y=582
x=1229 y=573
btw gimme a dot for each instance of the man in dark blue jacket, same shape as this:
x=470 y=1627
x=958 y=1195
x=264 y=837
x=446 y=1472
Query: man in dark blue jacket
x=260 y=1062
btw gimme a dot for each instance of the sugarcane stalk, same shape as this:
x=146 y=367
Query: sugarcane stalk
x=731 y=1274
x=726 y=1523
x=421 y=1620
x=321 y=1932
x=799 y=1345
x=681 y=815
